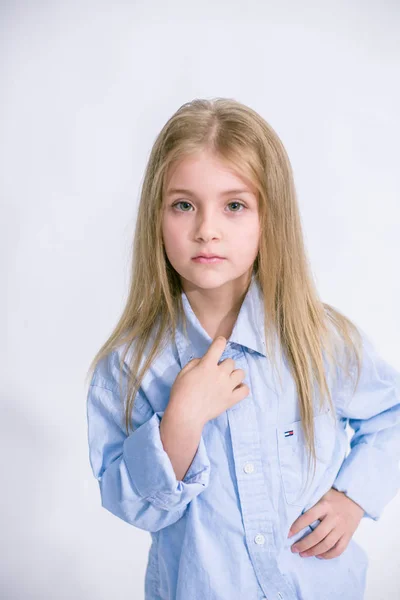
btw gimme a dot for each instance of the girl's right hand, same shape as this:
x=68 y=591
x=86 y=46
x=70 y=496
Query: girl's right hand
x=204 y=389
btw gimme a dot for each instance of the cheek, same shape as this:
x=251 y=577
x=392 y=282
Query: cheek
x=168 y=228
x=248 y=232
x=248 y=240
x=172 y=237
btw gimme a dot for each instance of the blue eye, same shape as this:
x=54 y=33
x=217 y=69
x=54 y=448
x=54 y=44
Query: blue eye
x=185 y=202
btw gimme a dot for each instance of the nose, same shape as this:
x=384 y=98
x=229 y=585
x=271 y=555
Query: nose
x=206 y=226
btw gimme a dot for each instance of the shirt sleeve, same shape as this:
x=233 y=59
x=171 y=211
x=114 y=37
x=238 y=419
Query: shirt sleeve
x=370 y=473
x=136 y=477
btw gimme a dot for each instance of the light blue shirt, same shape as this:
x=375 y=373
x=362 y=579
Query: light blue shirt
x=221 y=532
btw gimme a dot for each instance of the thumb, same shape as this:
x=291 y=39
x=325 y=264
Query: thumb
x=192 y=363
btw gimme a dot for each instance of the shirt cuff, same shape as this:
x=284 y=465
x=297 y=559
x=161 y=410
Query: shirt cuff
x=369 y=477
x=151 y=470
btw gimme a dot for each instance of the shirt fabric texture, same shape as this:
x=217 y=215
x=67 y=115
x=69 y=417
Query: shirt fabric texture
x=221 y=532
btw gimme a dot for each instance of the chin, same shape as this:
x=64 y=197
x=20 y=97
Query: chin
x=206 y=280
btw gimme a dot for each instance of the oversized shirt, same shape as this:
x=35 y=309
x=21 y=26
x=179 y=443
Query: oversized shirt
x=221 y=532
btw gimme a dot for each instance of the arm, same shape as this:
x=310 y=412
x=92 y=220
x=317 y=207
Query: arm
x=370 y=473
x=180 y=438
x=136 y=477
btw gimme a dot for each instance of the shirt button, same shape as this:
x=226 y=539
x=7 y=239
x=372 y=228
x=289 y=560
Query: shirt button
x=248 y=467
x=259 y=539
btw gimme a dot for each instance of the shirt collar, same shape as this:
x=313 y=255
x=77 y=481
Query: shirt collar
x=248 y=330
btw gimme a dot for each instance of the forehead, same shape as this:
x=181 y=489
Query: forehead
x=206 y=170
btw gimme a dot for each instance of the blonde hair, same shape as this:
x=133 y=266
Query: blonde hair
x=308 y=329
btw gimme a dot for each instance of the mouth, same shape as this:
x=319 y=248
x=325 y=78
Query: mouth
x=208 y=259
x=207 y=256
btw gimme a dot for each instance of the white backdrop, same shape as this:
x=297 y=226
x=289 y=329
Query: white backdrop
x=85 y=89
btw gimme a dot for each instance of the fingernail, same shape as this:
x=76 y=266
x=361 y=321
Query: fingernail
x=290 y=533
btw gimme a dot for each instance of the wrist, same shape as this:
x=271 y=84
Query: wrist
x=183 y=415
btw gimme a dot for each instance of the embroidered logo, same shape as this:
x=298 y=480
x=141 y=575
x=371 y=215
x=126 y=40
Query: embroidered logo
x=289 y=433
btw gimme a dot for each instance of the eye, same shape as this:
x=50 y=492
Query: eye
x=233 y=202
x=180 y=202
x=238 y=203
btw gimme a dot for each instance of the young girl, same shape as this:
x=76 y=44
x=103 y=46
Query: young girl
x=217 y=408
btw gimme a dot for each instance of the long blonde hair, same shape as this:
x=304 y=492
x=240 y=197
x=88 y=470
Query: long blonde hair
x=308 y=329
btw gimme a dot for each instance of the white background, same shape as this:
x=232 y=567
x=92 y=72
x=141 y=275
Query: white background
x=85 y=89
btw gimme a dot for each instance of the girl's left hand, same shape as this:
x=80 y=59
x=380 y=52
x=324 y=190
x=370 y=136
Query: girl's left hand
x=340 y=517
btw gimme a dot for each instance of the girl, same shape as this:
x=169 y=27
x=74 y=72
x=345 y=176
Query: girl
x=227 y=381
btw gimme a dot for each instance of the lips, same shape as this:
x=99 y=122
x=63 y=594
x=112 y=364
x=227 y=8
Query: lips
x=207 y=256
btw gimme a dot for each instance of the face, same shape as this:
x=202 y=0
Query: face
x=215 y=212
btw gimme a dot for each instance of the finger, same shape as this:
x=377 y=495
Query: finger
x=312 y=514
x=237 y=377
x=240 y=392
x=323 y=546
x=215 y=350
x=228 y=364
x=316 y=536
x=190 y=364
x=337 y=549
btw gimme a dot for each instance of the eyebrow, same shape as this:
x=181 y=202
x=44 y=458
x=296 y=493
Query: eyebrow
x=189 y=193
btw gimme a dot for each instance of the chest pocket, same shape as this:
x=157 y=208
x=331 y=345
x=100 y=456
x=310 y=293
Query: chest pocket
x=292 y=452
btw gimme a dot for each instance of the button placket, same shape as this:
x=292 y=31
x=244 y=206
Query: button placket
x=258 y=524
